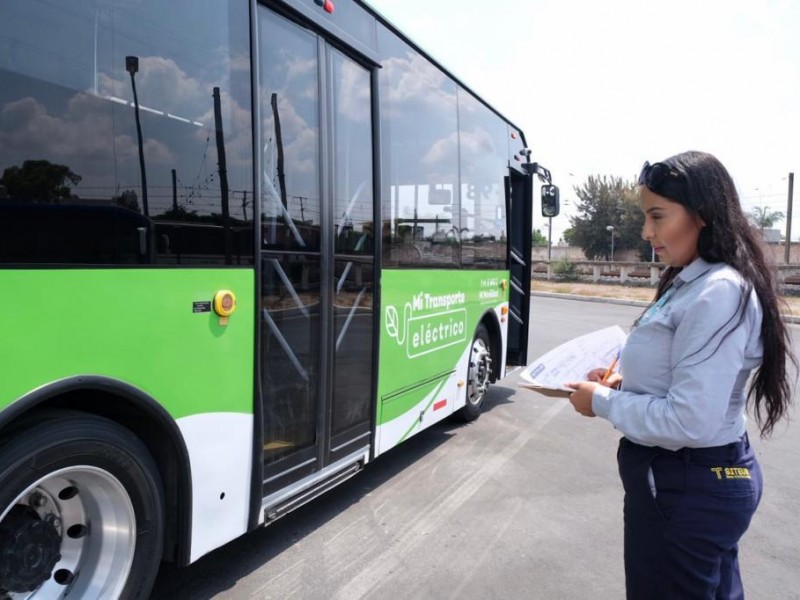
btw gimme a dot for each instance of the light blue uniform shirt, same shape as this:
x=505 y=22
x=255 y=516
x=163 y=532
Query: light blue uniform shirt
x=686 y=364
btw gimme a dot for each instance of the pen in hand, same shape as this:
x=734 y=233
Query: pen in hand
x=610 y=369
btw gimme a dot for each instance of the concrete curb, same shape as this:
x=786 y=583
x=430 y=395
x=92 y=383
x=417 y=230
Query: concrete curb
x=788 y=318
x=590 y=298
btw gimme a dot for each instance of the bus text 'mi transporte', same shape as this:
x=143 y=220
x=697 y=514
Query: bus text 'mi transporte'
x=245 y=249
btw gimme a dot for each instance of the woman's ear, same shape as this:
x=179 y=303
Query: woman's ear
x=698 y=219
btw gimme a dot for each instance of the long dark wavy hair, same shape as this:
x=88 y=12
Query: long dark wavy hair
x=709 y=192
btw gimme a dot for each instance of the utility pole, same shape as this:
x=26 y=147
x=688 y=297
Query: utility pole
x=223 y=173
x=132 y=66
x=611 y=229
x=789 y=219
x=174 y=194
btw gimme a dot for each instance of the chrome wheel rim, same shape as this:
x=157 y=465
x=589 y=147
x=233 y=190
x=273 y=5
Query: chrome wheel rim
x=480 y=367
x=96 y=525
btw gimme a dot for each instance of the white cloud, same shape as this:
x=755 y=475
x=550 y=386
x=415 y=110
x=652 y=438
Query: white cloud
x=416 y=84
x=79 y=138
x=353 y=92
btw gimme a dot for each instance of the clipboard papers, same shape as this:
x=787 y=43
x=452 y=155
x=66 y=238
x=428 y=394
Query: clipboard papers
x=546 y=391
x=572 y=360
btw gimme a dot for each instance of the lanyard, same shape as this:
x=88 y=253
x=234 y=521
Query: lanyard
x=653 y=310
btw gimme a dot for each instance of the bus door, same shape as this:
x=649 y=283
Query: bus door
x=519 y=198
x=317 y=254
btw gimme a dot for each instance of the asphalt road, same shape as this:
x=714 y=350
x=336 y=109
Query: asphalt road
x=523 y=503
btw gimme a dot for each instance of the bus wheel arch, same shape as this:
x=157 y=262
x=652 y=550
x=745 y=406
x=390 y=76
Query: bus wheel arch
x=492 y=325
x=138 y=413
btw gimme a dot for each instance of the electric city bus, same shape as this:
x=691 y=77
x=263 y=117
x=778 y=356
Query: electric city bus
x=245 y=249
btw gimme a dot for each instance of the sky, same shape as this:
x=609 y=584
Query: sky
x=600 y=87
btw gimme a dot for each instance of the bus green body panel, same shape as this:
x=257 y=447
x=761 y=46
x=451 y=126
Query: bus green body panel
x=154 y=329
x=428 y=320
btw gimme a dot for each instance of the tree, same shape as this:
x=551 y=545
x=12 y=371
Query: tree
x=127 y=199
x=631 y=224
x=538 y=239
x=39 y=181
x=604 y=201
x=179 y=213
x=764 y=218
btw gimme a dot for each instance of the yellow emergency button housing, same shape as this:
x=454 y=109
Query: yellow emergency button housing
x=224 y=305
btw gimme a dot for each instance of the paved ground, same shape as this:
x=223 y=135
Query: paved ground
x=524 y=503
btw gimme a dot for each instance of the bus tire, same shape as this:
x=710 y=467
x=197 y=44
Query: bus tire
x=81 y=510
x=478 y=373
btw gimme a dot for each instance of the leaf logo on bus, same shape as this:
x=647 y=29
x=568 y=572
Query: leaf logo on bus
x=425 y=334
x=394 y=326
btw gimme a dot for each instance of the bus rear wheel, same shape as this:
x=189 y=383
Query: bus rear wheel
x=81 y=511
x=478 y=375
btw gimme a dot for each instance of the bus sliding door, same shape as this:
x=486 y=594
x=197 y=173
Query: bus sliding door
x=317 y=255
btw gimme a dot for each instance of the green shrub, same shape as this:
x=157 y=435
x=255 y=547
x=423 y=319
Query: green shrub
x=564 y=269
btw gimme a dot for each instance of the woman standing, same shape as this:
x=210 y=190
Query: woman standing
x=691 y=479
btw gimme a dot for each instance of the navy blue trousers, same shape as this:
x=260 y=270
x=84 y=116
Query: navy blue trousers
x=682 y=543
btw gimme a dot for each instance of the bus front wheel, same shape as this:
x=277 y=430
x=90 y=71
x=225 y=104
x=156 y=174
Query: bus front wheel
x=81 y=510
x=478 y=374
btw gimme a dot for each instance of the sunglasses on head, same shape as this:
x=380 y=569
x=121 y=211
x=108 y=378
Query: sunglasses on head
x=665 y=181
x=654 y=175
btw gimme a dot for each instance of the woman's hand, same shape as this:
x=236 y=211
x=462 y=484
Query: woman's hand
x=581 y=398
x=613 y=380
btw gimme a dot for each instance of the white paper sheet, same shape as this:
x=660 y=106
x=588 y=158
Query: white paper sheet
x=572 y=360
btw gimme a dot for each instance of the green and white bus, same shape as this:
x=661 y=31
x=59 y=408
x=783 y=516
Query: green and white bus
x=245 y=249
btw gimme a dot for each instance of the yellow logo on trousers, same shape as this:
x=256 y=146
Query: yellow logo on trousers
x=731 y=472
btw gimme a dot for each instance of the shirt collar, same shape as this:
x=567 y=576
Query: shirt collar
x=692 y=271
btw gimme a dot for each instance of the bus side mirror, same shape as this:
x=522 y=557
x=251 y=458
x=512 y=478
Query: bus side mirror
x=550 y=204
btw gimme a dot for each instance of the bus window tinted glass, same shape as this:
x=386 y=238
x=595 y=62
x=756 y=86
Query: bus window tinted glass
x=483 y=143
x=419 y=131
x=291 y=214
x=125 y=133
x=289 y=97
x=354 y=246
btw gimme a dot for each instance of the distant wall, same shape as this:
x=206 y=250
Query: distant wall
x=598 y=271
x=632 y=273
x=559 y=252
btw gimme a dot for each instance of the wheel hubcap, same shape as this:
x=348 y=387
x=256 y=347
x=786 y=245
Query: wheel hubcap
x=72 y=532
x=29 y=549
x=480 y=367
